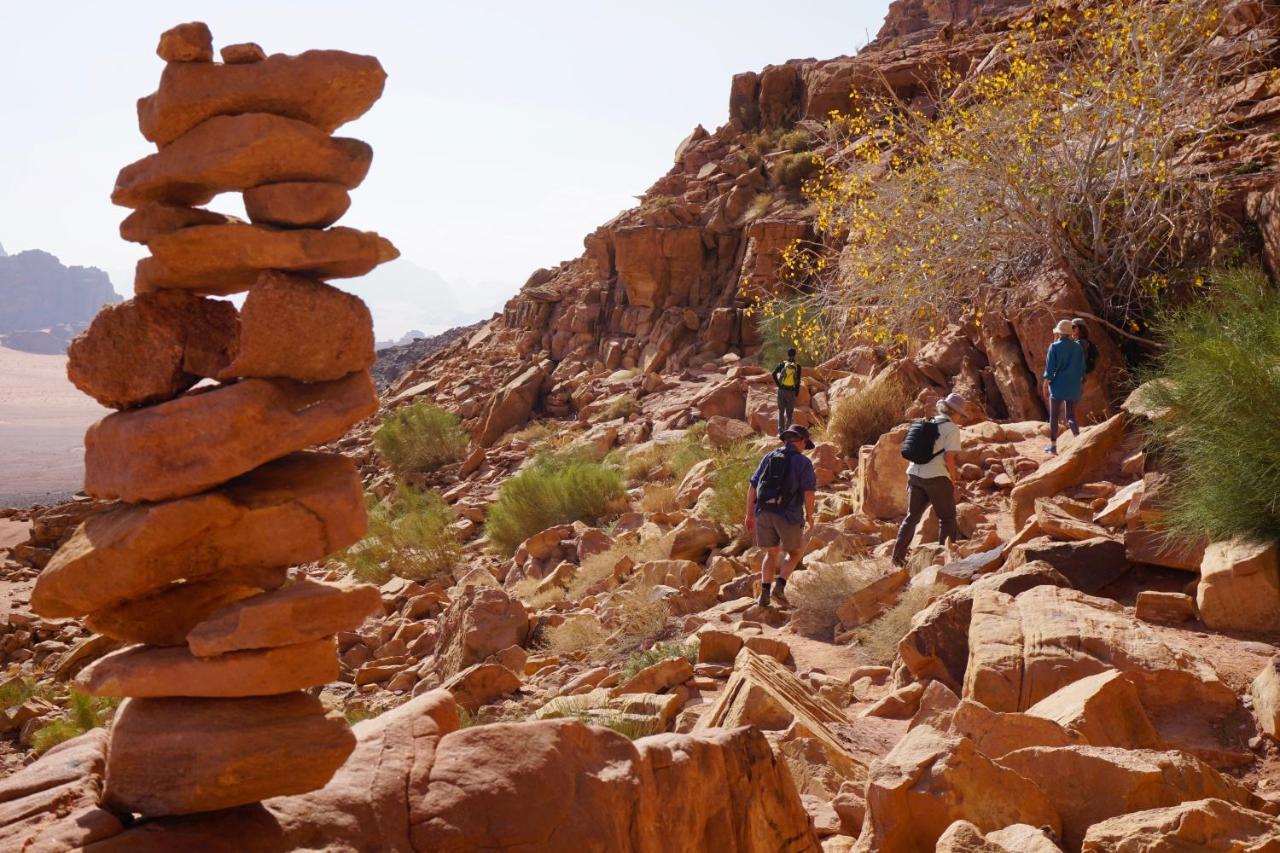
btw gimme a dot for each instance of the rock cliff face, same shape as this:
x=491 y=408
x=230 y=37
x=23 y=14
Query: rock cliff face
x=37 y=292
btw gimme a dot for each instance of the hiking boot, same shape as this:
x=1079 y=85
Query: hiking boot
x=764 y=596
x=779 y=592
x=1052 y=450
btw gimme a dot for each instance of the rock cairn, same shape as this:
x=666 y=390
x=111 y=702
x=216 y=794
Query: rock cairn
x=217 y=497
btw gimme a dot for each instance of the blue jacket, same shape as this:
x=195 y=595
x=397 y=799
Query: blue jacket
x=1064 y=368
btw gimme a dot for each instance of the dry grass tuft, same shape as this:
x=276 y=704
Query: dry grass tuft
x=865 y=415
x=579 y=637
x=659 y=498
x=877 y=641
x=599 y=567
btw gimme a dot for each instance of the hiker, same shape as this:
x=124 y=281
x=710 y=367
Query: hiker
x=1064 y=370
x=931 y=446
x=787 y=377
x=1080 y=334
x=779 y=507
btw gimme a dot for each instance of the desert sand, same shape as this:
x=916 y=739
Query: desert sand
x=42 y=422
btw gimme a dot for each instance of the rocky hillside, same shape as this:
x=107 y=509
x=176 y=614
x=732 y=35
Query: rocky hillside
x=571 y=653
x=44 y=304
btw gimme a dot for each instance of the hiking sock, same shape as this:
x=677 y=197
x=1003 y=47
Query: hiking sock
x=764 y=595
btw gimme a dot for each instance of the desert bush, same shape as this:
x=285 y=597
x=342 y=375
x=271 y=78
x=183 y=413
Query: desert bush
x=581 y=708
x=18 y=689
x=649 y=463
x=640 y=616
x=579 y=636
x=526 y=589
x=865 y=415
x=730 y=484
x=410 y=535
x=796 y=139
x=547 y=434
x=877 y=641
x=82 y=714
x=550 y=490
x=599 y=567
x=822 y=587
x=420 y=438
x=792 y=169
x=620 y=406
x=658 y=652
x=658 y=498
x=759 y=206
x=1219 y=379
x=1092 y=136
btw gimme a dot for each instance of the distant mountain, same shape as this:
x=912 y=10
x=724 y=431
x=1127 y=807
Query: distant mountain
x=405 y=297
x=2 y=252
x=38 y=293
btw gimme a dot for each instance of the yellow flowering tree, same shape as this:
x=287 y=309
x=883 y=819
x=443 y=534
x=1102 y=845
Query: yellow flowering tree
x=1090 y=136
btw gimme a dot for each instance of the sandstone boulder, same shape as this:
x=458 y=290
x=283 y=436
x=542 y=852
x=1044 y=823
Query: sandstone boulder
x=165 y=618
x=151 y=348
x=1075 y=463
x=964 y=837
x=178 y=756
x=724 y=432
x=1089 y=784
x=881 y=487
x=512 y=403
x=243 y=53
x=1239 y=586
x=206 y=438
x=149 y=672
x=1101 y=710
x=53 y=804
x=1168 y=607
x=294 y=510
x=1146 y=540
x=1209 y=824
x=658 y=677
x=235 y=153
x=297 y=204
x=191 y=42
x=996 y=734
x=299 y=613
x=296 y=328
x=930 y=780
x=153 y=219
x=480 y=684
x=325 y=88
x=221 y=259
x=1265 y=691
x=1089 y=564
x=480 y=622
x=727 y=399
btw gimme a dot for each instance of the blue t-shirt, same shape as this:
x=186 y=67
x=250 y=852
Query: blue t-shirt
x=802 y=475
x=1064 y=368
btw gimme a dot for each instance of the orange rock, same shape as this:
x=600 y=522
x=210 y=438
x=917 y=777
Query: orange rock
x=148 y=672
x=997 y=734
x=296 y=328
x=243 y=53
x=178 y=756
x=190 y=42
x=480 y=622
x=963 y=837
x=222 y=259
x=234 y=153
x=1145 y=539
x=1089 y=784
x=297 y=204
x=881 y=488
x=53 y=804
x=326 y=88
x=481 y=684
x=1076 y=463
x=165 y=618
x=1210 y=824
x=716 y=646
x=1265 y=691
x=151 y=348
x=1101 y=710
x=512 y=403
x=303 y=611
x=206 y=438
x=292 y=511
x=1239 y=586
x=658 y=677
x=930 y=780
x=152 y=220
x=1168 y=607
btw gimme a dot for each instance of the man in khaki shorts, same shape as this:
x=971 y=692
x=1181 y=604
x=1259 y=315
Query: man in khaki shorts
x=779 y=507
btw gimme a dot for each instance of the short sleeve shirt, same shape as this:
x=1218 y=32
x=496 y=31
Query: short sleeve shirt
x=948 y=441
x=802 y=474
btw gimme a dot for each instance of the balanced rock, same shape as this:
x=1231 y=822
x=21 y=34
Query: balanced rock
x=152 y=348
x=221 y=259
x=166 y=617
x=235 y=153
x=297 y=204
x=153 y=219
x=292 y=511
x=203 y=439
x=191 y=42
x=178 y=756
x=300 y=612
x=148 y=672
x=325 y=88
x=296 y=328
x=242 y=53
x=1209 y=824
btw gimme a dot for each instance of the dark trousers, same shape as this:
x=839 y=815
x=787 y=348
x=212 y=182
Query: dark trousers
x=937 y=491
x=786 y=407
x=1053 y=417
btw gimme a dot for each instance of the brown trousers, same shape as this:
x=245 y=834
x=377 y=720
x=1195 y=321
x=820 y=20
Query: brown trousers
x=921 y=493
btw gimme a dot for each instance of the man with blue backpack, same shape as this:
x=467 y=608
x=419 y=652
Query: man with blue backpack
x=780 y=505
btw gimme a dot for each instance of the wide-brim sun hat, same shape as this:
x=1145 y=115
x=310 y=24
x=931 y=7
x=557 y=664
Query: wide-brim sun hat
x=793 y=432
x=1063 y=327
x=956 y=403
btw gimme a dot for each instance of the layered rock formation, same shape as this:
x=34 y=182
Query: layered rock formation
x=217 y=499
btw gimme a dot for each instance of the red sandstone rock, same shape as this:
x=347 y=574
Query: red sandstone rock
x=296 y=328
x=303 y=611
x=222 y=259
x=53 y=804
x=1209 y=824
x=480 y=684
x=233 y=153
x=297 y=204
x=325 y=88
x=151 y=348
x=512 y=403
x=1239 y=586
x=291 y=511
x=165 y=618
x=1074 y=465
x=153 y=219
x=178 y=756
x=243 y=53
x=190 y=42
x=480 y=622
x=148 y=672
x=200 y=440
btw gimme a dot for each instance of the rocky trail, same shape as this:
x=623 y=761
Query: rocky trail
x=1062 y=679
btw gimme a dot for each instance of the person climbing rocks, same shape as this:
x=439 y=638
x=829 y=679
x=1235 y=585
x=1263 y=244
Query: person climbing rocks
x=780 y=505
x=1064 y=369
x=787 y=377
x=931 y=446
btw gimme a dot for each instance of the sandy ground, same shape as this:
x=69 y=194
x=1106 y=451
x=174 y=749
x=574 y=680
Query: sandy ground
x=42 y=422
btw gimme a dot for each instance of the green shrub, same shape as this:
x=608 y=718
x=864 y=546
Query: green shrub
x=16 y=690
x=410 y=535
x=620 y=406
x=797 y=139
x=866 y=414
x=793 y=168
x=83 y=713
x=689 y=451
x=420 y=438
x=1219 y=379
x=731 y=483
x=551 y=490
x=659 y=652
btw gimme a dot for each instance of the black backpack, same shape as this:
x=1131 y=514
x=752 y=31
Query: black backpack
x=1090 y=356
x=917 y=447
x=775 y=489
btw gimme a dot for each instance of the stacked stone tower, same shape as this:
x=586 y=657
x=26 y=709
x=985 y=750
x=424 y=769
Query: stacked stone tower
x=217 y=496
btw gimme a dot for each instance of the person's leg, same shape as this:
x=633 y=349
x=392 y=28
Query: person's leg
x=917 y=500
x=943 y=497
x=782 y=411
x=1053 y=421
x=1071 y=416
x=767 y=538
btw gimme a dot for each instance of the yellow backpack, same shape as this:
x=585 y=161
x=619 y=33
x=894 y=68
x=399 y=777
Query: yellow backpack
x=790 y=370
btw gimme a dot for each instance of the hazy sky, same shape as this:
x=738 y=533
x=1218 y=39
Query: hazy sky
x=508 y=130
